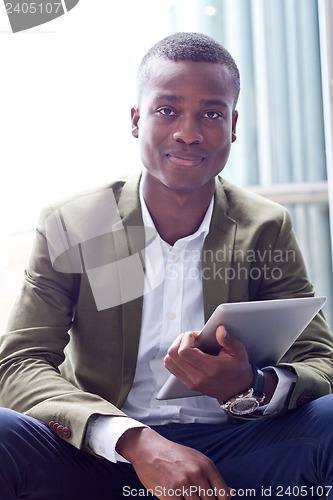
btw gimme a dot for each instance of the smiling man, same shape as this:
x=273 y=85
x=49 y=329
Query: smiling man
x=186 y=122
x=80 y=369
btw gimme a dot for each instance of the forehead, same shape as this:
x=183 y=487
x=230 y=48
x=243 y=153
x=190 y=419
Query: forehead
x=184 y=78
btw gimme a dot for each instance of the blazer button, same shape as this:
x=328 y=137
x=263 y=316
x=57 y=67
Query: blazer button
x=66 y=433
x=303 y=400
x=59 y=430
x=51 y=424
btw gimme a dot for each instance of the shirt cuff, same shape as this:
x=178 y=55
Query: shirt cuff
x=285 y=380
x=103 y=433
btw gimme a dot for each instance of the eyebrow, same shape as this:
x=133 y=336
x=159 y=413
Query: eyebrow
x=203 y=102
x=213 y=102
x=170 y=97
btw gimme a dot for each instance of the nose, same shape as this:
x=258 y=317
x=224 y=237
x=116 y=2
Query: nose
x=188 y=132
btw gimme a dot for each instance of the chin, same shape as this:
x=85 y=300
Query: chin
x=182 y=186
x=181 y=183
x=187 y=185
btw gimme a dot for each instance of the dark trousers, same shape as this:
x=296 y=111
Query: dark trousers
x=285 y=457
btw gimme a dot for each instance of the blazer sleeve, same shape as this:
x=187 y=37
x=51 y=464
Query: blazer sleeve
x=311 y=356
x=32 y=349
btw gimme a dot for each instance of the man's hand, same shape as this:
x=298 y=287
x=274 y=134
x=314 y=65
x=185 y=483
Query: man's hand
x=171 y=471
x=220 y=376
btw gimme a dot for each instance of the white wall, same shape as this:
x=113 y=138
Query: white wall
x=66 y=90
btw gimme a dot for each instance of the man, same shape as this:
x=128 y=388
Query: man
x=116 y=276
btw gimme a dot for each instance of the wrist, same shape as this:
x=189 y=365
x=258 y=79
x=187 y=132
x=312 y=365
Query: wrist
x=133 y=442
x=249 y=401
x=271 y=381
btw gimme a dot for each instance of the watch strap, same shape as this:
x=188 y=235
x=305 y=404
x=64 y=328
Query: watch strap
x=258 y=383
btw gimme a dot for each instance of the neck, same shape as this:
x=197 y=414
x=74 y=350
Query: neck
x=176 y=214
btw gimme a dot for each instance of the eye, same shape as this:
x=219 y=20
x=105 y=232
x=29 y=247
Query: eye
x=212 y=115
x=166 y=111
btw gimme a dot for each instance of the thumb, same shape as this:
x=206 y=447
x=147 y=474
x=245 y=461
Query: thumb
x=229 y=343
x=221 y=334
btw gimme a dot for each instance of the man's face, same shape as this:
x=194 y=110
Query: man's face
x=185 y=122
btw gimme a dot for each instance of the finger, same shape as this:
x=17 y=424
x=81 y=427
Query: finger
x=209 y=492
x=184 y=346
x=218 y=485
x=189 y=355
x=175 y=345
x=182 y=369
x=191 y=495
x=202 y=492
x=188 y=341
x=177 y=369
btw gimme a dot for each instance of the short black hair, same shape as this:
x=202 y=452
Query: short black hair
x=189 y=46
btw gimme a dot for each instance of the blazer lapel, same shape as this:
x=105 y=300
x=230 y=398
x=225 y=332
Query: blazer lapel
x=129 y=243
x=217 y=254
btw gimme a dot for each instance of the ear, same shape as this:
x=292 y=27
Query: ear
x=135 y=114
x=234 y=122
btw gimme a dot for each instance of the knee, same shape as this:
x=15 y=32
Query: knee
x=325 y=403
x=12 y=424
x=9 y=418
x=322 y=409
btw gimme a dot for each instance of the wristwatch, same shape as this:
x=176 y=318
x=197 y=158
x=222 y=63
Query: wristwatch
x=249 y=401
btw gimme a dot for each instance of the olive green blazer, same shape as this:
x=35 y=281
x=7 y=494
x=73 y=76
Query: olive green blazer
x=64 y=359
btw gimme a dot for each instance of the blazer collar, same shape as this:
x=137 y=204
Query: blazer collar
x=129 y=201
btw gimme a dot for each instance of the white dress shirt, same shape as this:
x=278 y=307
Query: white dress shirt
x=173 y=306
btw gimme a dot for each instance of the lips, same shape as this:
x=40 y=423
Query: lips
x=185 y=159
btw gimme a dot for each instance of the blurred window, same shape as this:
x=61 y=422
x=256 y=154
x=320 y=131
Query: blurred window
x=281 y=148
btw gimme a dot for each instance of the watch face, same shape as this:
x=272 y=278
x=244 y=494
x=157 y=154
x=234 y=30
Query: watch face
x=243 y=406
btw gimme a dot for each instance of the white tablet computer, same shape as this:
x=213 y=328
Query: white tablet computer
x=267 y=328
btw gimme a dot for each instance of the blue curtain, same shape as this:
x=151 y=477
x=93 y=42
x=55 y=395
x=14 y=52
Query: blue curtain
x=281 y=137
